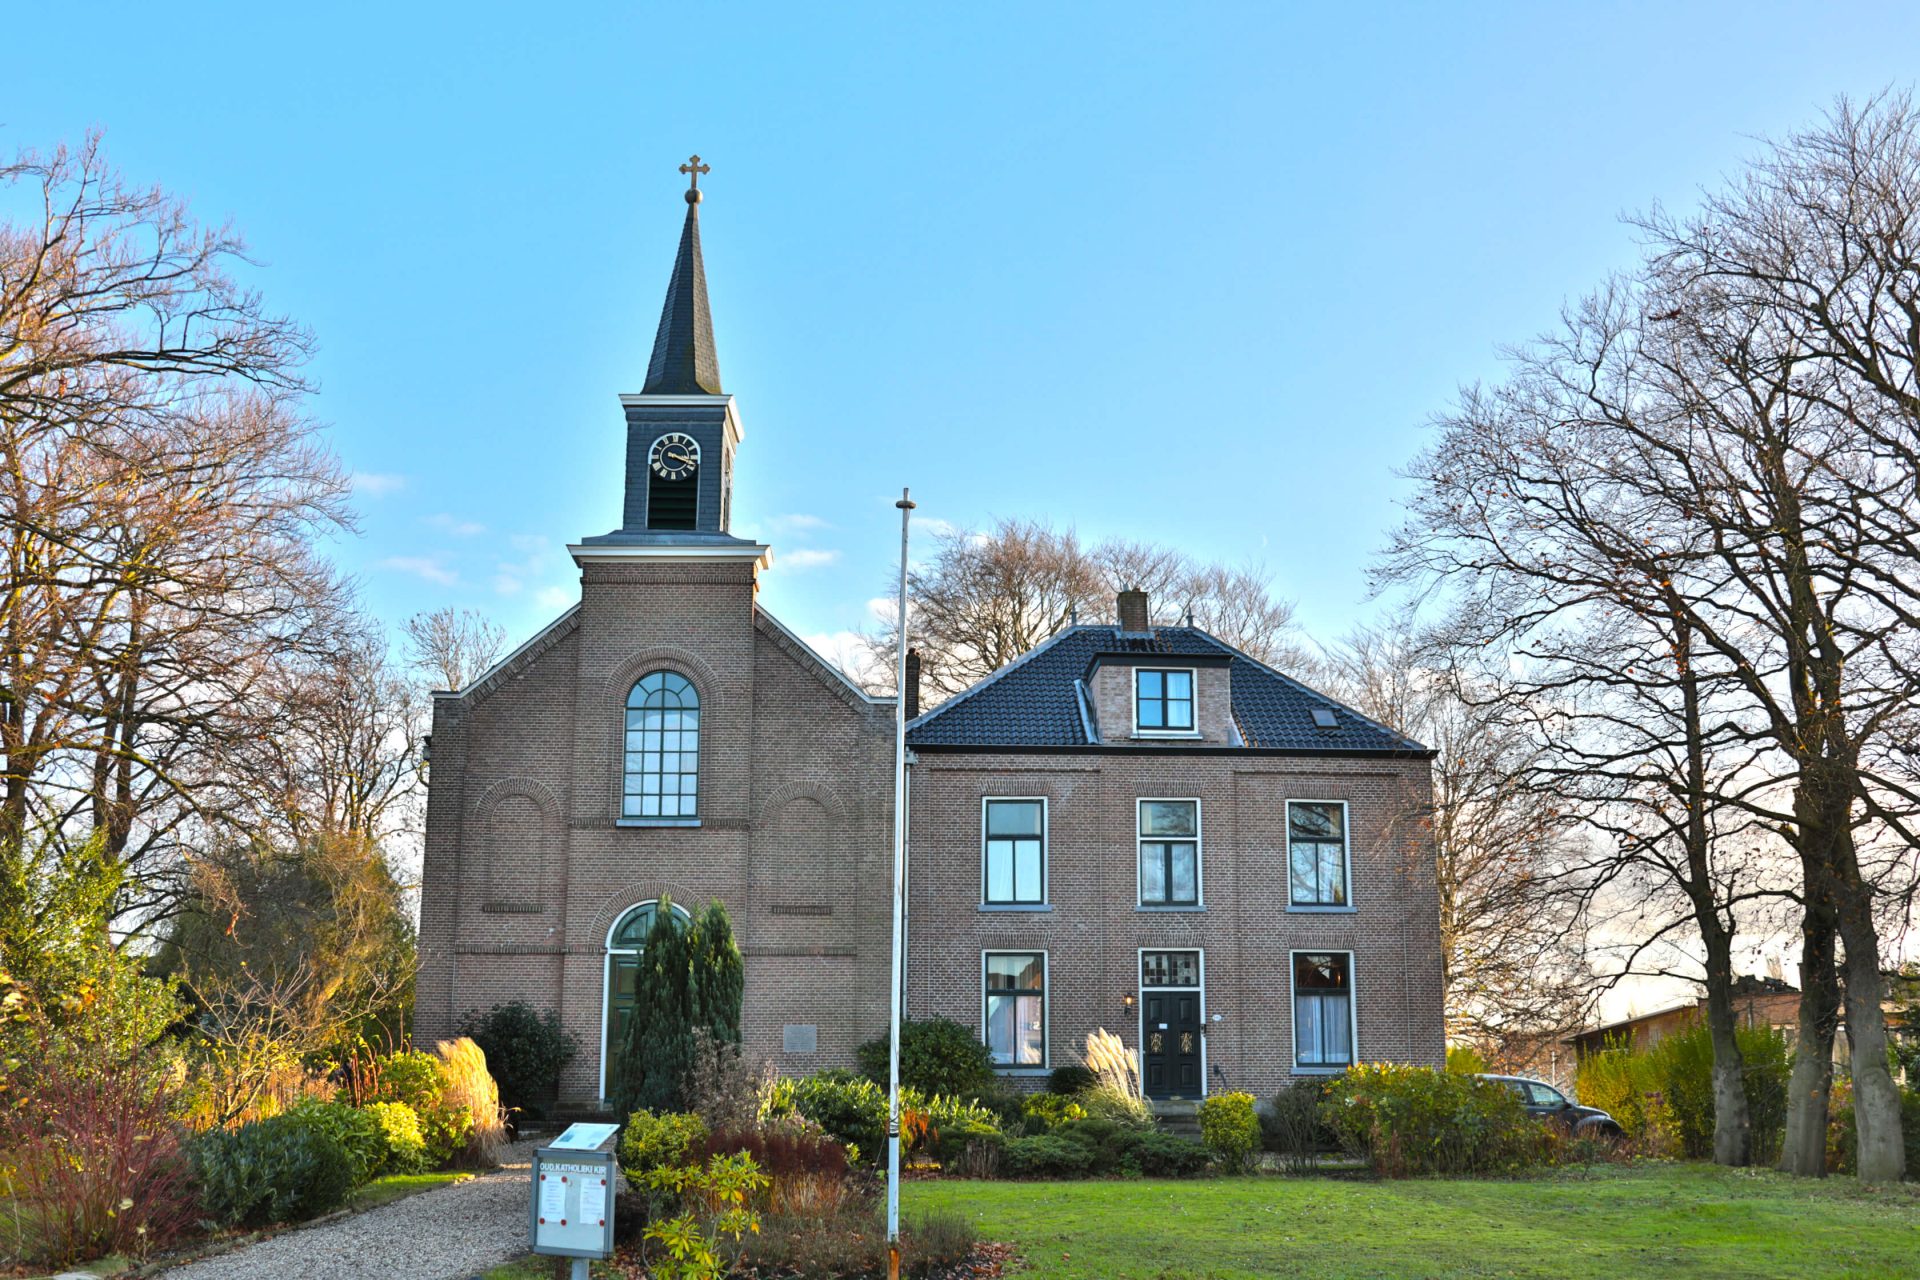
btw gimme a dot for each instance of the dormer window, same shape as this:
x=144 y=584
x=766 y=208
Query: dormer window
x=1163 y=700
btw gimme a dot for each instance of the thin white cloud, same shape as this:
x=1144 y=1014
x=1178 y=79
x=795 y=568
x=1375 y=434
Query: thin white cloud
x=936 y=526
x=849 y=651
x=454 y=525
x=807 y=558
x=377 y=484
x=798 y=522
x=555 y=597
x=421 y=567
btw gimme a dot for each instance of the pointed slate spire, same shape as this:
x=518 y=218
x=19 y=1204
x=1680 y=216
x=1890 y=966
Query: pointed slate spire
x=684 y=361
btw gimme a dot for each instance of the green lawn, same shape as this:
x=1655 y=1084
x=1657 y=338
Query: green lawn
x=1645 y=1220
x=399 y=1186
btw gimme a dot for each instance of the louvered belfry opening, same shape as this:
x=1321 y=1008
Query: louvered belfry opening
x=673 y=504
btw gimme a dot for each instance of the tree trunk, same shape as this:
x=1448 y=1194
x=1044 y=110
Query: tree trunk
x=1876 y=1099
x=1805 y=1149
x=1732 y=1126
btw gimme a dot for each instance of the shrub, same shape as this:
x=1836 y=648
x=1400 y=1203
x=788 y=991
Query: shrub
x=417 y=1078
x=275 y=1170
x=356 y=1132
x=403 y=1148
x=652 y=1141
x=1050 y=1110
x=1663 y=1096
x=100 y=1171
x=853 y=1242
x=937 y=1056
x=1156 y=1153
x=526 y=1051
x=1046 y=1155
x=1070 y=1080
x=807 y=1169
x=1294 y=1128
x=851 y=1108
x=470 y=1088
x=1230 y=1129
x=1465 y=1060
x=1410 y=1120
x=949 y=1142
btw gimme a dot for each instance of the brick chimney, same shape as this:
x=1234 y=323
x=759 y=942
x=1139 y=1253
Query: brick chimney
x=912 y=691
x=1132 y=607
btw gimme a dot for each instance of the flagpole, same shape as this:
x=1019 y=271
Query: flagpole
x=899 y=901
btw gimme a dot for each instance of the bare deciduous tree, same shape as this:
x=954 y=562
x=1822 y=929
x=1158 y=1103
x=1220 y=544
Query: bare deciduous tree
x=160 y=501
x=984 y=599
x=452 y=646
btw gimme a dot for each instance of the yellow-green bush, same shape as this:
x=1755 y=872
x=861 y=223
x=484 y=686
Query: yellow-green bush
x=1411 y=1120
x=658 y=1141
x=1231 y=1129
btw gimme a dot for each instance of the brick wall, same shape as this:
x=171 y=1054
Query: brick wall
x=1095 y=928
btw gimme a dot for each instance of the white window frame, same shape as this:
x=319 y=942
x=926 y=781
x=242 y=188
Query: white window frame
x=1346 y=841
x=1133 y=681
x=1293 y=1011
x=1140 y=1021
x=1046 y=881
x=1046 y=1010
x=607 y=952
x=1199 y=902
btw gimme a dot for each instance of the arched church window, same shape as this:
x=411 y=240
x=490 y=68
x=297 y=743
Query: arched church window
x=663 y=748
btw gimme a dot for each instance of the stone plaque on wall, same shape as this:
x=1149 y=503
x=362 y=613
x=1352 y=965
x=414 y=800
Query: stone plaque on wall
x=800 y=1037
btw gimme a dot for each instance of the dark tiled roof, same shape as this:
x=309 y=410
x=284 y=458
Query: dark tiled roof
x=684 y=361
x=1032 y=702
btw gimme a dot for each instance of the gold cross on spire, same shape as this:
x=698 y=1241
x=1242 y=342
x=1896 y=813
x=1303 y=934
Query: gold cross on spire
x=694 y=168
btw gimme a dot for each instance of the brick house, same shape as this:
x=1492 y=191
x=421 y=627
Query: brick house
x=1131 y=826
x=1141 y=829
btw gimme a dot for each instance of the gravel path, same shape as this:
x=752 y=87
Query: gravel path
x=449 y=1233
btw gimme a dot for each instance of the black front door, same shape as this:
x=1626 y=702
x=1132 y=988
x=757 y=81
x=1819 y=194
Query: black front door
x=1171 y=1034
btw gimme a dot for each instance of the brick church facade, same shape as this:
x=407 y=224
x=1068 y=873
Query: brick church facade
x=1133 y=827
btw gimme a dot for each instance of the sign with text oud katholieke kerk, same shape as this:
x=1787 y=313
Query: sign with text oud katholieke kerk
x=573 y=1185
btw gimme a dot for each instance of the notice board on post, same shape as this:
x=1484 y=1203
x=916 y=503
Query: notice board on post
x=571 y=1215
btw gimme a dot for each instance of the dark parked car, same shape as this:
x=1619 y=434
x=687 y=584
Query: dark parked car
x=1550 y=1106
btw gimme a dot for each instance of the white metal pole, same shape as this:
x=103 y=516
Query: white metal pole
x=899 y=901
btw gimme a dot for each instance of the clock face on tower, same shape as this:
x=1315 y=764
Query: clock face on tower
x=674 y=456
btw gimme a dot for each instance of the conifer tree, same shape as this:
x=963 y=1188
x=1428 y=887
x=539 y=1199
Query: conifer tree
x=719 y=977
x=691 y=979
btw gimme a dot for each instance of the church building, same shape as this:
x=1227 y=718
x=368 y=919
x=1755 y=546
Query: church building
x=1133 y=827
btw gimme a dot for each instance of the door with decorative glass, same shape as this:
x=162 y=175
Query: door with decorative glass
x=1172 y=1009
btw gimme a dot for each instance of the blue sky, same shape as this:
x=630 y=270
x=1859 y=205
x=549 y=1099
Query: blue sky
x=1197 y=274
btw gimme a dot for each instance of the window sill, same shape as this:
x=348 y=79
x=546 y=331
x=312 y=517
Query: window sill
x=1173 y=910
x=1158 y=735
x=1319 y=1071
x=1308 y=910
x=999 y=907
x=1021 y=1071
x=656 y=822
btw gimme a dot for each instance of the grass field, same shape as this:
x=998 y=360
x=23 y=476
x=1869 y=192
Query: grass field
x=1644 y=1220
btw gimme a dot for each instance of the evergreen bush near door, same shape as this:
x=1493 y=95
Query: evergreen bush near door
x=690 y=976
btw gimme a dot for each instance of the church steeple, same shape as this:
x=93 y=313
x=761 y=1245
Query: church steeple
x=682 y=429
x=684 y=361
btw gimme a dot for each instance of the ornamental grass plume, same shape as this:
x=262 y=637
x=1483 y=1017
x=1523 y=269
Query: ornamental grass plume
x=1109 y=1059
x=470 y=1087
